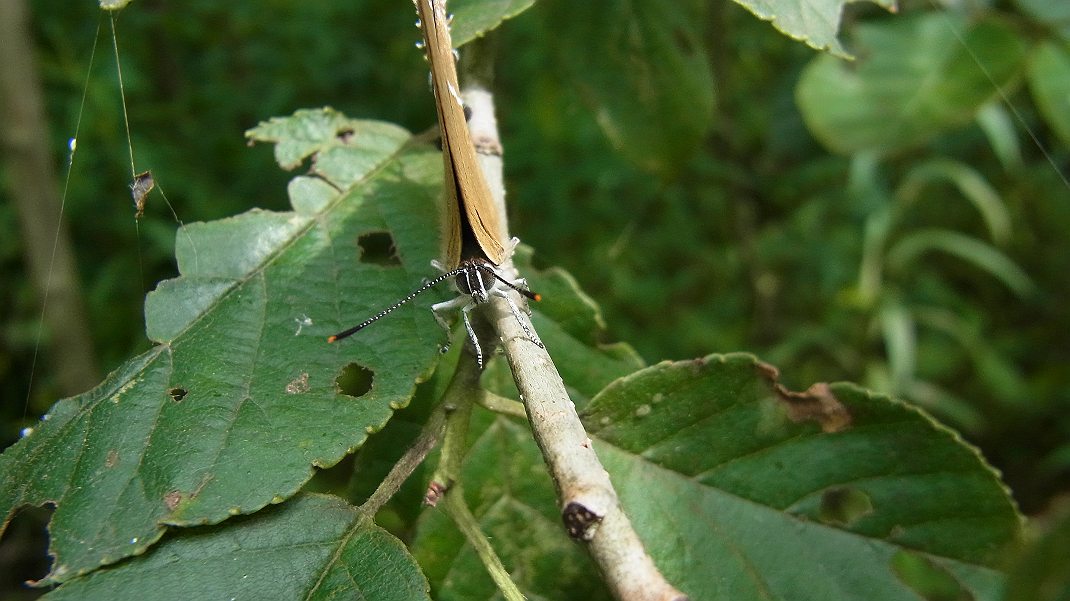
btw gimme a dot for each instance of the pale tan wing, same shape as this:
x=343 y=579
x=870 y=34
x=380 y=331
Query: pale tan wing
x=466 y=189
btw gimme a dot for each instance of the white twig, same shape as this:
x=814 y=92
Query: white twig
x=589 y=504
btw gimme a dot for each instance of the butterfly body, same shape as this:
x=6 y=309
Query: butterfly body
x=473 y=225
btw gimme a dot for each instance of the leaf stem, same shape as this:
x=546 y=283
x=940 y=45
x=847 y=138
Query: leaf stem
x=458 y=511
x=457 y=401
x=499 y=404
x=407 y=464
x=461 y=395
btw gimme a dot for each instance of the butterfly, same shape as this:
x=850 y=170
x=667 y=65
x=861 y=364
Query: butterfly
x=473 y=225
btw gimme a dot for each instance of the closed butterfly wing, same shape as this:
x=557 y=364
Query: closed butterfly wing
x=467 y=191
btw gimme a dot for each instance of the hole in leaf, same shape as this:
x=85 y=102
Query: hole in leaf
x=928 y=580
x=844 y=506
x=177 y=394
x=24 y=548
x=378 y=248
x=345 y=135
x=355 y=380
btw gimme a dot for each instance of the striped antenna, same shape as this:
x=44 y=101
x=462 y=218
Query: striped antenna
x=438 y=280
x=535 y=296
x=466 y=268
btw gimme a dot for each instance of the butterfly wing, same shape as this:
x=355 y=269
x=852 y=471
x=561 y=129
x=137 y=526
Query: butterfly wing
x=466 y=188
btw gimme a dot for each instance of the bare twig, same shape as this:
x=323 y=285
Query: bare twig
x=589 y=504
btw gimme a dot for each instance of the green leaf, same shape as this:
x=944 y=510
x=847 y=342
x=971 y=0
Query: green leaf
x=814 y=22
x=313 y=547
x=239 y=401
x=641 y=67
x=1055 y=15
x=917 y=75
x=970 y=183
x=977 y=252
x=1049 y=81
x=741 y=490
x=1001 y=130
x=928 y=580
x=474 y=18
x=900 y=343
x=1042 y=572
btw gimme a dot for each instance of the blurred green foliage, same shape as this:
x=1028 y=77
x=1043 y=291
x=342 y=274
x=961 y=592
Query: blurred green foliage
x=756 y=239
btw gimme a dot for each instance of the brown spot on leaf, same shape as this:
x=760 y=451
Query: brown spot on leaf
x=112 y=459
x=298 y=384
x=816 y=403
x=683 y=41
x=697 y=365
x=172 y=499
x=769 y=370
x=843 y=506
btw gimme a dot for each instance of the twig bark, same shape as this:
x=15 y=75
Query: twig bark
x=589 y=504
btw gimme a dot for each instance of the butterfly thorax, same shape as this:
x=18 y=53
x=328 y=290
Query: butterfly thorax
x=477 y=278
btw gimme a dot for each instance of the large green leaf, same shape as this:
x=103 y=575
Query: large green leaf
x=916 y=76
x=474 y=18
x=814 y=22
x=1049 y=80
x=742 y=490
x=239 y=401
x=314 y=547
x=641 y=67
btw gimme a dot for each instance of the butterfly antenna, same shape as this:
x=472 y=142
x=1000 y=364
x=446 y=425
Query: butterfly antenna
x=386 y=311
x=527 y=293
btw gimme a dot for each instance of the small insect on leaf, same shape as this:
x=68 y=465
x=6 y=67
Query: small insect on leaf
x=139 y=189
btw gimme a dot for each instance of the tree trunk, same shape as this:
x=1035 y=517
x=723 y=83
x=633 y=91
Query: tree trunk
x=24 y=140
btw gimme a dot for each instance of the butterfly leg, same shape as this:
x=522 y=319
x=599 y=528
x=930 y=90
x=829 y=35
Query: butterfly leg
x=438 y=309
x=516 y=314
x=472 y=334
